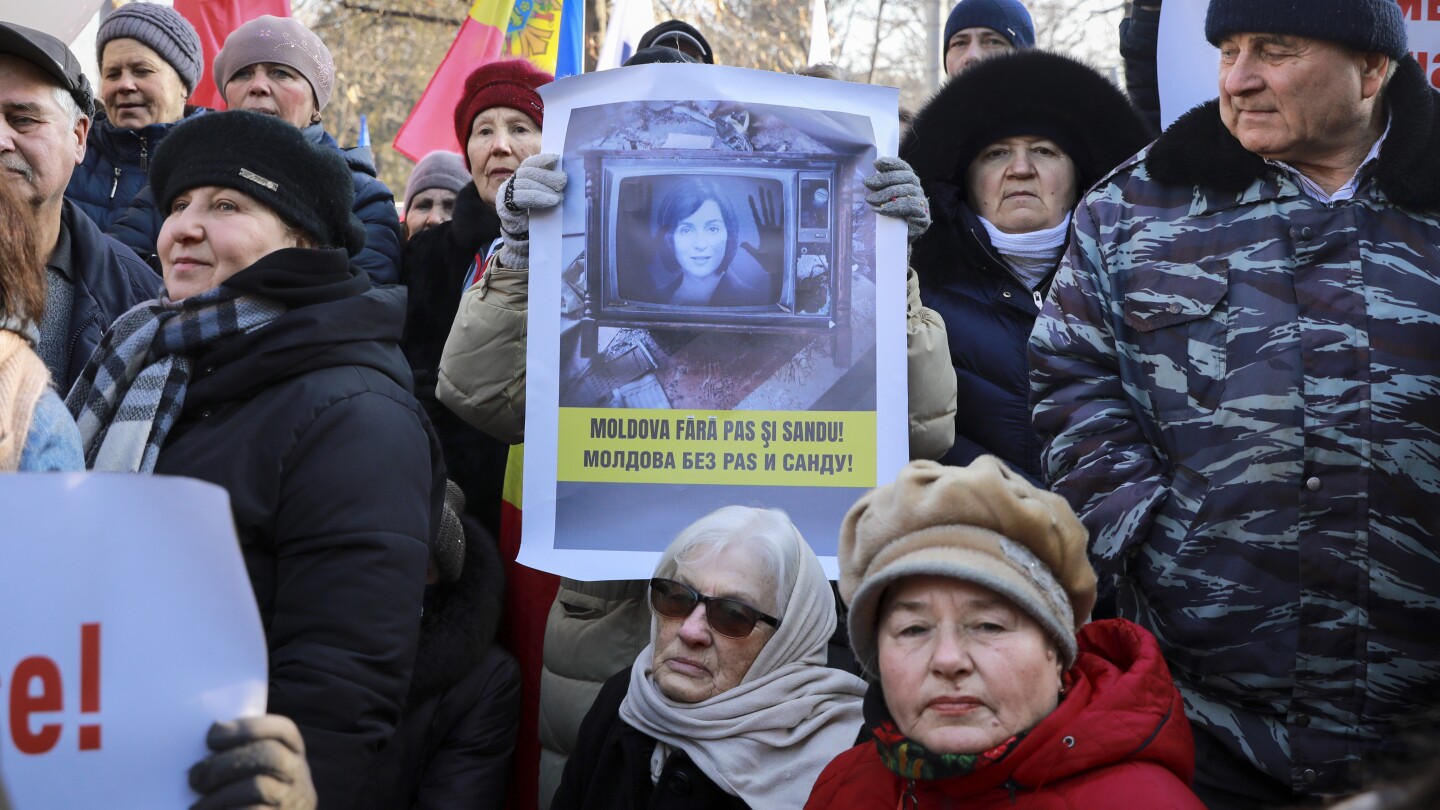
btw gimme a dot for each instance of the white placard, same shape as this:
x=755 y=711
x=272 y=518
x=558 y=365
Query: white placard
x=129 y=627
x=1189 y=66
x=784 y=389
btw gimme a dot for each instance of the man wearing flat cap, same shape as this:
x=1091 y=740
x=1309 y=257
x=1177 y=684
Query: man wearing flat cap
x=45 y=107
x=1237 y=380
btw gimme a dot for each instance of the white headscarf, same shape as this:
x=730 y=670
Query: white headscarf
x=767 y=739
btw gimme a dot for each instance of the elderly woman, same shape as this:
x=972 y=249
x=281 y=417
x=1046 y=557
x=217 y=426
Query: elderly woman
x=731 y=704
x=966 y=588
x=277 y=67
x=150 y=60
x=270 y=367
x=431 y=190
x=697 y=259
x=1004 y=151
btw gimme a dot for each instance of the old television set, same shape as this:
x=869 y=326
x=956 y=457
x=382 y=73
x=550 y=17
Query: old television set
x=749 y=242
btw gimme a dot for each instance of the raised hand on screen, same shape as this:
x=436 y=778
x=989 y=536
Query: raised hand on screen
x=895 y=192
x=770 y=250
x=538 y=184
x=257 y=762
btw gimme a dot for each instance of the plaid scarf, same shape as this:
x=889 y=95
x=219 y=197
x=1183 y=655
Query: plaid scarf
x=133 y=389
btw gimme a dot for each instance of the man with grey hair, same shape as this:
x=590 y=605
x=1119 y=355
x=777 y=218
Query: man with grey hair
x=1237 y=380
x=45 y=107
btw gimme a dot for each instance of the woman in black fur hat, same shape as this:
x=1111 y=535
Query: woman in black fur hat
x=1034 y=130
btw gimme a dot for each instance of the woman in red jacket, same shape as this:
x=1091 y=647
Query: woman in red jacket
x=966 y=586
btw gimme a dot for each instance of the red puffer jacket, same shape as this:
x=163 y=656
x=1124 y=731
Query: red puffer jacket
x=1118 y=739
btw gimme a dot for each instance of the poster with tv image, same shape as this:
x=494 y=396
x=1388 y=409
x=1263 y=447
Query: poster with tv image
x=716 y=316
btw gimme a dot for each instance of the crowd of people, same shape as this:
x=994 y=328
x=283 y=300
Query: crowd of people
x=1167 y=538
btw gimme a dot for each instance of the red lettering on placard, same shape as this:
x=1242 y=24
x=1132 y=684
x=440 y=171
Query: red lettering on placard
x=90 y=684
x=1427 y=61
x=24 y=703
x=1412 y=9
x=26 y=700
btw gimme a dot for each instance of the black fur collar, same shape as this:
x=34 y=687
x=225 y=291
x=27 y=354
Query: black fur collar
x=1197 y=150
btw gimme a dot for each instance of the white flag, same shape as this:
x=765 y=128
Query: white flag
x=629 y=20
x=819 y=34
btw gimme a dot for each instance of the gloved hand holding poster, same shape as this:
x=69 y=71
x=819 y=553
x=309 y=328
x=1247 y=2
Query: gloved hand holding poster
x=716 y=315
x=129 y=627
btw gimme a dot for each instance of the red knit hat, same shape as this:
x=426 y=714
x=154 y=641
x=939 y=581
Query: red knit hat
x=511 y=84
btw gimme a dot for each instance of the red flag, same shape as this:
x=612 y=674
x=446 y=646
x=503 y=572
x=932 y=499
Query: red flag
x=213 y=21
x=431 y=124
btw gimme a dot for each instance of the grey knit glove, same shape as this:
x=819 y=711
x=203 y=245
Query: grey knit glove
x=895 y=192
x=537 y=184
x=258 y=762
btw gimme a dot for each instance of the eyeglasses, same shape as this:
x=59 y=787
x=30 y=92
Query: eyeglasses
x=727 y=617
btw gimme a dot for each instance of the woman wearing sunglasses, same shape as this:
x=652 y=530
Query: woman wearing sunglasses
x=731 y=704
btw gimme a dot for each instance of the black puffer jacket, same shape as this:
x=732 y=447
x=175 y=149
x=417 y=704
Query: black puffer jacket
x=453 y=746
x=116 y=166
x=436 y=262
x=610 y=767
x=335 y=482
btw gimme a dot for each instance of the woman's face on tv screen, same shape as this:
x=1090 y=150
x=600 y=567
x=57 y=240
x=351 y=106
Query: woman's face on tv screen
x=700 y=239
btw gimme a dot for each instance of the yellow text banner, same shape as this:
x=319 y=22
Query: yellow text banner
x=750 y=448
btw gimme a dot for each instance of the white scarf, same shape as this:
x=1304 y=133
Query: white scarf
x=1045 y=244
x=767 y=739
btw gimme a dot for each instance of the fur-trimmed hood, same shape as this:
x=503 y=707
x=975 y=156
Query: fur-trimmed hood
x=1022 y=93
x=1197 y=150
x=461 y=617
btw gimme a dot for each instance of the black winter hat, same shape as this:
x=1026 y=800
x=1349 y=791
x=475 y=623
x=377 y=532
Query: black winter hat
x=674 y=33
x=1025 y=93
x=1368 y=26
x=308 y=186
x=660 y=55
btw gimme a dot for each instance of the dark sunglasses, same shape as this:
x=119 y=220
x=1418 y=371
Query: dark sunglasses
x=727 y=617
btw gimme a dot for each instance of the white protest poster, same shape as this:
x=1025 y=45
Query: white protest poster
x=1189 y=66
x=716 y=315
x=129 y=626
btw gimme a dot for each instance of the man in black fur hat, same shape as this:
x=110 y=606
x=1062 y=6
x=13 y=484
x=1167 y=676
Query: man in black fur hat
x=1236 y=377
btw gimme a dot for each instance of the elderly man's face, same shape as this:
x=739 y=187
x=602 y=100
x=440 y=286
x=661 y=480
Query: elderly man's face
x=39 y=146
x=1300 y=100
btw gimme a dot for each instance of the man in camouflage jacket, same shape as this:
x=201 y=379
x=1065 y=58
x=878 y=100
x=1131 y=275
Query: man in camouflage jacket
x=1237 y=380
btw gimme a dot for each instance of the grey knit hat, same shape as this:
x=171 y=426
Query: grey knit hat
x=982 y=524
x=162 y=30
x=1368 y=26
x=284 y=41
x=438 y=169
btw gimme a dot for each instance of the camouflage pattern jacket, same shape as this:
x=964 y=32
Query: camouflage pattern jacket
x=1238 y=388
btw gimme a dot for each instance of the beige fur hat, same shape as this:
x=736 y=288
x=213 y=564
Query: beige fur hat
x=983 y=524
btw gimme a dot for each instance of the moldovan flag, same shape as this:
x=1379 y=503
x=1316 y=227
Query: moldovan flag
x=213 y=21
x=547 y=33
x=431 y=124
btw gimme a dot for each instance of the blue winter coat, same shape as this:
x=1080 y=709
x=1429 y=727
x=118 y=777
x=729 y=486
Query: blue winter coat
x=988 y=315
x=116 y=167
x=109 y=279
x=374 y=205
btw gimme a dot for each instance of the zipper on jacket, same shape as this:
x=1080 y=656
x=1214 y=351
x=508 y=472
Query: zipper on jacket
x=1010 y=271
x=1013 y=788
x=75 y=337
x=908 y=801
x=144 y=155
x=116 y=184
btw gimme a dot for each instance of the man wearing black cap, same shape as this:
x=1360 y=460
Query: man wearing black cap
x=1236 y=377
x=681 y=36
x=92 y=279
